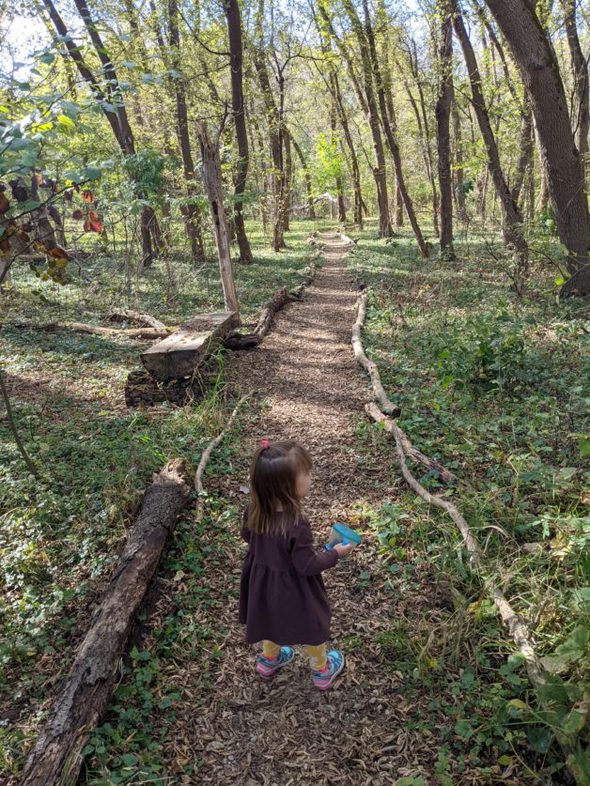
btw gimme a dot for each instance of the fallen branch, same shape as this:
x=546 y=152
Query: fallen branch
x=207 y=453
x=57 y=758
x=521 y=635
x=518 y=629
x=83 y=327
x=128 y=315
x=386 y=405
x=370 y=367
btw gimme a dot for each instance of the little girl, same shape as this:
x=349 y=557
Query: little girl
x=283 y=600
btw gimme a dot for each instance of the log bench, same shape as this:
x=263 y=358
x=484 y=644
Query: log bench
x=179 y=368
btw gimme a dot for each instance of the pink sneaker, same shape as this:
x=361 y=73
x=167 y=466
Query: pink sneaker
x=324 y=679
x=266 y=667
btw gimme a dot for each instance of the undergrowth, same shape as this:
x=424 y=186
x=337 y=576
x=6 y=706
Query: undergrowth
x=60 y=536
x=496 y=387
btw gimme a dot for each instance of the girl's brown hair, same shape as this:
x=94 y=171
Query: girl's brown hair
x=273 y=484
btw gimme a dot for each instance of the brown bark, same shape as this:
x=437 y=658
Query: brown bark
x=307 y=178
x=276 y=146
x=370 y=110
x=190 y=211
x=459 y=189
x=580 y=69
x=538 y=65
x=373 y=61
x=443 y=117
x=234 y=27
x=211 y=171
x=112 y=97
x=354 y=164
x=511 y=217
x=56 y=757
x=525 y=158
x=379 y=171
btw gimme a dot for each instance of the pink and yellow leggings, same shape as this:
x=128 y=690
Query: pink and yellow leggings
x=317 y=654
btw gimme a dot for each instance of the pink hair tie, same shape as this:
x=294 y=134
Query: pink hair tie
x=265 y=443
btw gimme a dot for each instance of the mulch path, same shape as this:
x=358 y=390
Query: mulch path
x=242 y=730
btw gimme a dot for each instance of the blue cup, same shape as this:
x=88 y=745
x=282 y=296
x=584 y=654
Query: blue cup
x=340 y=533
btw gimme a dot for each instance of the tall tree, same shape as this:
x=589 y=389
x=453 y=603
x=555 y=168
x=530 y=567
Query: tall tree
x=111 y=102
x=234 y=27
x=366 y=39
x=443 y=124
x=539 y=68
x=511 y=218
x=190 y=210
x=580 y=69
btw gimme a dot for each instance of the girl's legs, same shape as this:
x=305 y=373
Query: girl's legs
x=317 y=656
x=270 y=650
x=272 y=658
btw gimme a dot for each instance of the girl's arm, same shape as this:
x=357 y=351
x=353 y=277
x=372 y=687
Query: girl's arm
x=306 y=560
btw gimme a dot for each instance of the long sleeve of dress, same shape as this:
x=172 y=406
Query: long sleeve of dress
x=306 y=560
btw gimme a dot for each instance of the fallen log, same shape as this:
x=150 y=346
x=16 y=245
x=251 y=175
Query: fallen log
x=181 y=353
x=240 y=341
x=370 y=367
x=128 y=315
x=517 y=628
x=279 y=300
x=56 y=757
x=98 y=330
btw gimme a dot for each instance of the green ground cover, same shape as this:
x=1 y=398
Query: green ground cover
x=496 y=387
x=60 y=537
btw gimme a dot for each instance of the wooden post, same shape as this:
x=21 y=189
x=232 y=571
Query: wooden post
x=211 y=173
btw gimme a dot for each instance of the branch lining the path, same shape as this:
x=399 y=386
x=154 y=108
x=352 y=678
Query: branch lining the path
x=385 y=403
x=207 y=453
x=519 y=631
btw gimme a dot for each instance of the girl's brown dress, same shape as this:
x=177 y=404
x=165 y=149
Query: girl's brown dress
x=282 y=593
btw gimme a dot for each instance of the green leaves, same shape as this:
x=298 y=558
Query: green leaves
x=573 y=649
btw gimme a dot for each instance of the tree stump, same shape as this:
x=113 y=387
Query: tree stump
x=179 y=355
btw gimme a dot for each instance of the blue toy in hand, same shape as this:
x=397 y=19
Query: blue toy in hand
x=340 y=533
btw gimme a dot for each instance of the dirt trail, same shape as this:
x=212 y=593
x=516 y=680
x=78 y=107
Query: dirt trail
x=249 y=732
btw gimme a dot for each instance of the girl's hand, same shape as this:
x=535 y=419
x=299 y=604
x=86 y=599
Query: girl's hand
x=341 y=549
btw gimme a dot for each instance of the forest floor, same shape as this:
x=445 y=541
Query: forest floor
x=483 y=379
x=391 y=718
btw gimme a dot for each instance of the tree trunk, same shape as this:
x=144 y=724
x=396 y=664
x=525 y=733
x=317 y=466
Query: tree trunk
x=211 y=170
x=307 y=178
x=459 y=173
x=537 y=61
x=367 y=42
x=580 y=69
x=443 y=116
x=370 y=111
x=288 y=192
x=276 y=147
x=234 y=27
x=525 y=158
x=511 y=218
x=379 y=171
x=57 y=757
x=354 y=164
x=190 y=211
x=117 y=119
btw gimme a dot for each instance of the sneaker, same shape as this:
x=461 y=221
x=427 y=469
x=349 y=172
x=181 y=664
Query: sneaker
x=324 y=679
x=266 y=667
